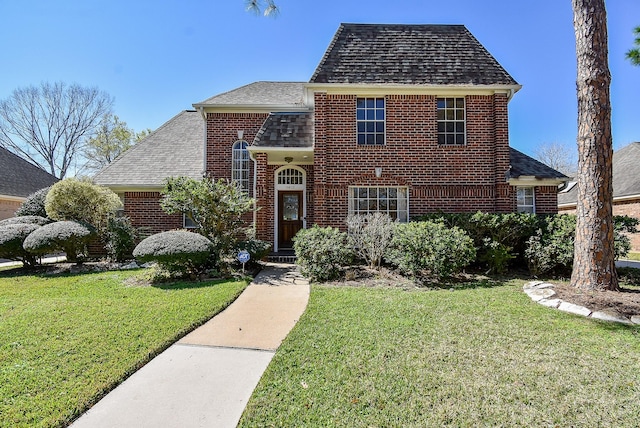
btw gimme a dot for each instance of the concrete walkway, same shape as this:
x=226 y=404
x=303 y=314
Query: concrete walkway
x=206 y=378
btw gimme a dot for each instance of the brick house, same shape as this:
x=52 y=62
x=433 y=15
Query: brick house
x=403 y=119
x=19 y=179
x=626 y=188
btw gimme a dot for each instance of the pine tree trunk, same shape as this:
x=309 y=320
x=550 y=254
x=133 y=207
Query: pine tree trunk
x=594 y=264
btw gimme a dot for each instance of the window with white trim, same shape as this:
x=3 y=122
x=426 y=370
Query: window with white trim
x=370 y=121
x=187 y=223
x=393 y=201
x=290 y=176
x=526 y=200
x=451 y=121
x=240 y=165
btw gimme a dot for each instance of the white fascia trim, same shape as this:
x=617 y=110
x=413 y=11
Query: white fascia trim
x=134 y=188
x=258 y=149
x=12 y=198
x=531 y=181
x=383 y=89
x=250 y=108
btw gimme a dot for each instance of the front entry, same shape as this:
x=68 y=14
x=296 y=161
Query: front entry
x=289 y=217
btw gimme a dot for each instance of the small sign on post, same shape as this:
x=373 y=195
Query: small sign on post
x=243 y=257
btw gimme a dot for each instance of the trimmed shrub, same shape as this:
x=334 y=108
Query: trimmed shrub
x=29 y=219
x=178 y=251
x=80 y=200
x=12 y=237
x=68 y=236
x=370 y=235
x=257 y=249
x=321 y=252
x=430 y=246
x=34 y=204
x=120 y=238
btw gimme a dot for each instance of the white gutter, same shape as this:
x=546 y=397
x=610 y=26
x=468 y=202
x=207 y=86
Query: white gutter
x=255 y=180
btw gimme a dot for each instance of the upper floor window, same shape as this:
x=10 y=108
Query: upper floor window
x=370 y=121
x=240 y=165
x=526 y=200
x=393 y=201
x=451 y=121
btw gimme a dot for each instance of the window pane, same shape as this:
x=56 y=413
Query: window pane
x=373 y=192
x=370 y=102
x=450 y=115
x=441 y=103
x=371 y=114
x=379 y=102
x=379 y=114
x=393 y=193
x=371 y=139
x=460 y=139
x=362 y=192
x=459 y=114
x=459 y=127
x=360 y=114
x=460 y=102
x=450 y=139
x=441 y=126
x=361 y=139
x=441 y=139
x=380 y=139
x=449 y=103
x=379 y=126
x=440 y=114
x=450 y=126
x=360 y=103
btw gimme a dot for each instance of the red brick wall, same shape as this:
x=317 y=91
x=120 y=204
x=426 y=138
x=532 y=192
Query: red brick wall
x=546 y=199
x=8 y=208
x=440 y=178
x=143 y=208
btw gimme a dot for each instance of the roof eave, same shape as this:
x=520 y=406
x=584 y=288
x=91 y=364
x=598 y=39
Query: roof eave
x=251 y=108
x=427 y=89
x=530 y=180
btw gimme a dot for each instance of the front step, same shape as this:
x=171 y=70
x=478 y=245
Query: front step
x=288 y=257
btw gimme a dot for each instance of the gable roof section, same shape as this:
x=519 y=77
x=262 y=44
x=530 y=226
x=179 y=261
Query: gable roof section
x=175 y=149
x=259 y=94
x=20 y=178
x=408 y=54
x=286 y=130
x=526 y=166
x=626 y=176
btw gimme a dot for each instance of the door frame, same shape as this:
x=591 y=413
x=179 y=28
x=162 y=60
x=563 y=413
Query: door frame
x=276 y=202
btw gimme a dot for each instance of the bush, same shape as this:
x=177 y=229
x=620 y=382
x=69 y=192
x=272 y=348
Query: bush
x=80 y=200
x=12 y=237
x=68 y=236
x=34 y=204
x=120 y=238
x=257 y=249
x=177 y=251
x=29 y=219
x=370 y=235
x=321 y=252
x=430 y=246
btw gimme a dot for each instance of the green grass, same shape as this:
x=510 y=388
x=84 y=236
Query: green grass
x=67 y=340
x=485 y=356
x=632 y=256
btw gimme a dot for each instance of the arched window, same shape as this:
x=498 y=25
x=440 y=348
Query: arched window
x=240 y=165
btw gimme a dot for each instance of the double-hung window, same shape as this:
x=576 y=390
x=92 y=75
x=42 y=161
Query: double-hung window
x=240 y=165
x=370 y=121
x=393 y=201
x=451 y=121
x=526 y=200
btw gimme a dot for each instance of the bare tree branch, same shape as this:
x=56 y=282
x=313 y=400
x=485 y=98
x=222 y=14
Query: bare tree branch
x=48 y=125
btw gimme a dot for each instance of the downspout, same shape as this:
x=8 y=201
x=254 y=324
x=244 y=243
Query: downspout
x=204 y=145
x=255 y=200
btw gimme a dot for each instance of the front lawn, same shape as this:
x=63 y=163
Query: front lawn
x=484 y=356
x=66 y=340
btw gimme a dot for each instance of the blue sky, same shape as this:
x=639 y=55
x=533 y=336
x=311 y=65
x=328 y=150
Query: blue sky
x=159 y=57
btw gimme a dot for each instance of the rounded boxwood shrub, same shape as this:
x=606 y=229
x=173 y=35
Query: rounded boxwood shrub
x=34 y=204
x=176 y=251
x=28 y=219
x=68 y=236
x=430 y=246
x=256 y=248
x=321 y=252
x=12 y=237
x=120 y=238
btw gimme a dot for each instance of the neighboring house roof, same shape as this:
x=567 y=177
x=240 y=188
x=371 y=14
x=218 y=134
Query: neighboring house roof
x=259 y=94
x=20 y=178
x=626 y=176
x=526 y=166
x=175 y=149
x=408 y=54
x=286 y=130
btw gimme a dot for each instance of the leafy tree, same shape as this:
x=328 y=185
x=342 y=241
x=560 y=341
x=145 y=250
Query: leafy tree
x=216 y=206
x=112 y=138
x=594 y=253
x=80 y=200
x=559 y=156
x=633 y=55
x=49 y=124
x=267 y=7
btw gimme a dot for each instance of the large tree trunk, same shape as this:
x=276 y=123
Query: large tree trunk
x=594 y=264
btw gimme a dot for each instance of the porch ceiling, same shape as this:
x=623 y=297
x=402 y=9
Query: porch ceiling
x=284 y=155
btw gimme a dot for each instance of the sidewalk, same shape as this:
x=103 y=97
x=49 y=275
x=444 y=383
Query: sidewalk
x=206 y=378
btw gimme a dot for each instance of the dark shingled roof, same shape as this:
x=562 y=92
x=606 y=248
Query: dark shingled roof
x=260 y=94
x=626 y=175
x=408 y=54
x=286 y=130
x=19 y=177
x=175 y=149
x=523 y=165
